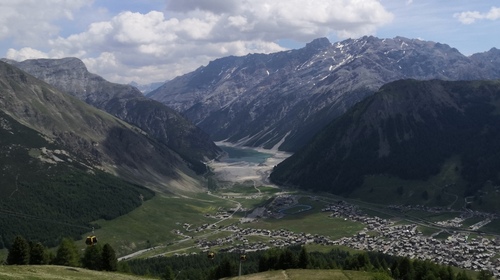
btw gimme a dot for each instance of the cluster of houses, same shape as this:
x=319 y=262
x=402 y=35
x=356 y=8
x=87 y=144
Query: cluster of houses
x=405 y=240
x=380 y=235
x=238 y=239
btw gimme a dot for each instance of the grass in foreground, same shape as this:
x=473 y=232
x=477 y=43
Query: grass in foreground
x=300 y=274
x=45 y=272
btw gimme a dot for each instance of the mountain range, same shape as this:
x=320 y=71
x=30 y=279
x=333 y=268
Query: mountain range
x=70 y=75
x=281 y=100
x=409 y=129
x=349 y=111
x=66 y=163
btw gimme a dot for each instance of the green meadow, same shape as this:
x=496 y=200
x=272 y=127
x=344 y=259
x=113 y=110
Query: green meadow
x=153 y=223
x=300 y=274
x=49 y=272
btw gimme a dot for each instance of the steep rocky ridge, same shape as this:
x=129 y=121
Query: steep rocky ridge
x=407 y=129
x=489 y=61
x=91 y=137
x=283 y=99
x=127 y=103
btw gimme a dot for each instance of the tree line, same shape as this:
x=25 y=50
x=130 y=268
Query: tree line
x=95 y=257
x=226 y=264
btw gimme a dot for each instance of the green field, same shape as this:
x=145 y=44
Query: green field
x=152 y=223
x=296 y=209
x=493 y=227
x=300 y=274
x=46 y=272
x=312 y=221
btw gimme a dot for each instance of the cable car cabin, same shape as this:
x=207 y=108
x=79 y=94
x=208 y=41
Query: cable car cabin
x=91 y=240
x=211 y=255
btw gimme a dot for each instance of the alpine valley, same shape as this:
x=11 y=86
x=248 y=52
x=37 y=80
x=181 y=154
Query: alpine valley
x=391 y=125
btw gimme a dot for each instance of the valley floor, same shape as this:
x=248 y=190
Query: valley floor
x=249 y=214
x=241 y=171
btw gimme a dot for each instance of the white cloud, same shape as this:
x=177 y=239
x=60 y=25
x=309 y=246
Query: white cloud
x=155 y=46
x=470 y=17
x=214 y=6
x=31 y=22
x=25 y=53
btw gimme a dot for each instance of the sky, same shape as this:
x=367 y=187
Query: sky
x=149 y=41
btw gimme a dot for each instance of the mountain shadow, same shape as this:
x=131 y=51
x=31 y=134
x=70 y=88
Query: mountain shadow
x=407 y=129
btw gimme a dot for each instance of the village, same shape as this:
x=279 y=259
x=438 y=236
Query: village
x=379 y=235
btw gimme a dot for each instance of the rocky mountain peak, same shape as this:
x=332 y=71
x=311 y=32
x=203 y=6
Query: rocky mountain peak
x=66 y=63
x=283 y=98
x=126 y=102
x=318 y=44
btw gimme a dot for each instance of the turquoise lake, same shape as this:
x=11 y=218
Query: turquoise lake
x=243 y=154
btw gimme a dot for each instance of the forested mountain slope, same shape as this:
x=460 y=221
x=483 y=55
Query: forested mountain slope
x=65 y=163
x=407 y=129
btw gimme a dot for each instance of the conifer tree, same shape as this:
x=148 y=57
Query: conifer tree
x=67 y=254
x=264 y=263
x=109 y=261
x=224 y=269
x=92 y=258
x=405 y=269
x=303 y=258
x=287 y=260
x=38 y=254
x=124 y=267
x=462 y=276
x=484 y=275
x=168 y=274
x=19 y=252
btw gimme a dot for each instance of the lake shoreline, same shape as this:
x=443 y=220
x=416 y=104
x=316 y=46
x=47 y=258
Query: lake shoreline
x=241 y=171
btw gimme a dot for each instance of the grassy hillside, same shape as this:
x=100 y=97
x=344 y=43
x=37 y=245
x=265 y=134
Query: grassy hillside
x=70 y=273
x=300 y=274
x=153 y=223
x=46 y=272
